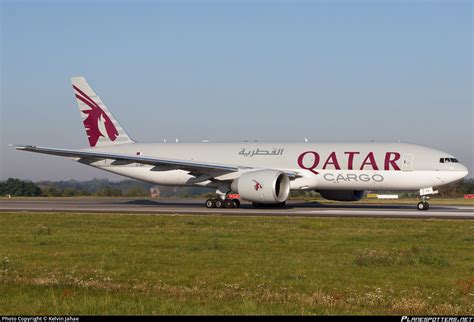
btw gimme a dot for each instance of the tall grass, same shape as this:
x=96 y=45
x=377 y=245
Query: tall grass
x=63 y=263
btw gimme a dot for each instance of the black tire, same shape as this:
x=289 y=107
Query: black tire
x=423 y=205
x=420 y=206
x=229 y=203
x=219 y=203
x=236 y=203
x=210 y=203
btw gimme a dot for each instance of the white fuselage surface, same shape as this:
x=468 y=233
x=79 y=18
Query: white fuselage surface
x=320 y=165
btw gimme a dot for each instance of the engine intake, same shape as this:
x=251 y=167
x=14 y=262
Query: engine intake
x=263 y=186
x=342 y=195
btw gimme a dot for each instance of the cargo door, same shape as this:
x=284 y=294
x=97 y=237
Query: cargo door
x=407 y=163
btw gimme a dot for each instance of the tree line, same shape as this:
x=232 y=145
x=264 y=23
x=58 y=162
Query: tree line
x=98 y=188
x=93 y=188
x=131 y=188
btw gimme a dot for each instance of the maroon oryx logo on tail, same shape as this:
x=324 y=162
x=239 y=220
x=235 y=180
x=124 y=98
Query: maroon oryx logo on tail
x=257 y=185
x=96 y=122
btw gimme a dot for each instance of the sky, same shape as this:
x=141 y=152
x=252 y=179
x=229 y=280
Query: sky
x=234 y=71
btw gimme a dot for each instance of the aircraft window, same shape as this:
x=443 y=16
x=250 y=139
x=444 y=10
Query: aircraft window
x=448 y=160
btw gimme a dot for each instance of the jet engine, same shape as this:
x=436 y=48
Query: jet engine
x=342 y=195
x=263 y=186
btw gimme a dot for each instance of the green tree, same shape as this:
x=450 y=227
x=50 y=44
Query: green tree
x=69 y=192
x=109 y=192
x=17 y=188
x=51 y=192
x=136 y=192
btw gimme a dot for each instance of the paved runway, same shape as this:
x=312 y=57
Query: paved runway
x=196 y=207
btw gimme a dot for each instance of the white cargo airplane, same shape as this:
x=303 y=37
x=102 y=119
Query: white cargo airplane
x=263 y=173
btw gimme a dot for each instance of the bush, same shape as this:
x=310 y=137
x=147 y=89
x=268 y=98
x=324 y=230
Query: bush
x=109 y=192
x=136 y=192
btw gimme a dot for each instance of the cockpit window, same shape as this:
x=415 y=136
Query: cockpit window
x=447 y=160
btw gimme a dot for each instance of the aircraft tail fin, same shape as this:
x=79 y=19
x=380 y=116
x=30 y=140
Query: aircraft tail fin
x=102 y=128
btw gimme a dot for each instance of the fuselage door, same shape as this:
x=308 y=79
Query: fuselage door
x=407 y=164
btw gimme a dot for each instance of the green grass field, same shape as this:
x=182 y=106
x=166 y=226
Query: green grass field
x=64 y=263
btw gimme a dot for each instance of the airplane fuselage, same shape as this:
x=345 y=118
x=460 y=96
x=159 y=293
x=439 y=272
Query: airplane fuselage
x=320 y=165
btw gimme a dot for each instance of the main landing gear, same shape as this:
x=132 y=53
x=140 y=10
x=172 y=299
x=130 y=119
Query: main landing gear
x=224 y=199
x=222 y=203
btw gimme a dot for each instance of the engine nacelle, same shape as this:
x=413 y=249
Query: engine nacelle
x=263 y=186
x=342 y=195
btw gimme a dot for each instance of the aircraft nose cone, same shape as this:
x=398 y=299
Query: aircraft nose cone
x=464 y=171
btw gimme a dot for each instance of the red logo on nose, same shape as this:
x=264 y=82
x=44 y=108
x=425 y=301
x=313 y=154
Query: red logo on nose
x=257 y=185
x=96 y=122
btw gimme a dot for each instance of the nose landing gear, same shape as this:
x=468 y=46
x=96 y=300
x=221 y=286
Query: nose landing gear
x=423 y=205
x=424 y=195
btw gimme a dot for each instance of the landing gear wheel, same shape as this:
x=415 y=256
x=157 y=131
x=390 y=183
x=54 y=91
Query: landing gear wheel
x=229 y=203
x=210 y=203
x=236 y=203
x=219 y=203
x=423 y=205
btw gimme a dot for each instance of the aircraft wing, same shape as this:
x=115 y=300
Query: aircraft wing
x=196 y=167
x=193 y=166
